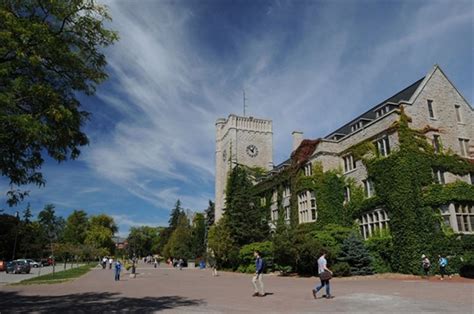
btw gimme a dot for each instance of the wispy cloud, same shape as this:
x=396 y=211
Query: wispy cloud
x=179 y=66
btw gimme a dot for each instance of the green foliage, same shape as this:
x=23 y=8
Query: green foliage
x=341 y=269
x=403 y=184
x=459 y=191
x=380 y=247
x=356 y=255
x=100 y=232
x=142 y=240
x=180 y=242
x=284 y=250
x=247 y=259
x=76 y=227
x=331 y=237
x=52 y=225
x=198 y=235
x=223 y=247
x=50 y=53
x=245 y=221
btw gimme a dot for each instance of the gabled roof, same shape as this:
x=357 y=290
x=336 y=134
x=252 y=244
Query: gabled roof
x=404 y=94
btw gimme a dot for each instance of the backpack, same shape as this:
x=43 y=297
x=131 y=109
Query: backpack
x=443 y=262
x=264 y=265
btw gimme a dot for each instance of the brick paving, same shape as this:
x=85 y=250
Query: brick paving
x=192 y=290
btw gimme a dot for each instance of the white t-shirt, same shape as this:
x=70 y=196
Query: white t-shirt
x=321 y=264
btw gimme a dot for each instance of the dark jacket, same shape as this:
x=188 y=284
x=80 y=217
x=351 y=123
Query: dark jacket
x=259 y=265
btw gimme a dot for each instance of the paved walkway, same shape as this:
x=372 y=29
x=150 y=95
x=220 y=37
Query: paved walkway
x=12 y=278
x=173 y=291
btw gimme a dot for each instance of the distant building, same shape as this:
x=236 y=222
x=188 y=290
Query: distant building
x=120 y=243
x=432 y=100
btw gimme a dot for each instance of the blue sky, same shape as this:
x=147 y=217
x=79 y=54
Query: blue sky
x=307 y=65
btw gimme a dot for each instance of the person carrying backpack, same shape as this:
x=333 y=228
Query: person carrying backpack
x=442 y=262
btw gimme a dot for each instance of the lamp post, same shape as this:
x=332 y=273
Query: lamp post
x=17 y=215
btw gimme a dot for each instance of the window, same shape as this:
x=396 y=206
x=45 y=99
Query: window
x=263 y=201
x=458 y=113
x=349 y=163
x=307 y=206
x=471 y=175
x=286 y=191
x=438 y=176
x=465 y=217
x=436 y=143
x=430 y=109
x=347 y=194
x=463 y=145
x=287 y=213
x=274 y=213
x=356 y=126
x=383 y=146
x=308 y=171
x=382 y=111
x=368 y=188
x=372 y=223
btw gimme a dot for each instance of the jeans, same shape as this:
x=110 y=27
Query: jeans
x=117 y=275
x=324 y=283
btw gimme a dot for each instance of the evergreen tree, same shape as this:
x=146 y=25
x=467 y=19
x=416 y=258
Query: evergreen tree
x=246 y=222
x=354 y=252
x=198 y=235
x=180 y=242
x=175 y=215
x=27 y=214
x=210 y=214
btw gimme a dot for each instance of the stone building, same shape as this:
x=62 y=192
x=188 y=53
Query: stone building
x=240 y=140
x=430 y=101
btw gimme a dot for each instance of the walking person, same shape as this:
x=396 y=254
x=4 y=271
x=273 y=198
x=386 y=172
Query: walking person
x=155 y=262
x=213 y=265
x=257 y=281
x=180 y=264
x=118 y=269
x=111 y=260
x=426 y=264
x=325 y=274
x=104 y=262
x=442 y=262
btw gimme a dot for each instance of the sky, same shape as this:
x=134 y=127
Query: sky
x=309 y=66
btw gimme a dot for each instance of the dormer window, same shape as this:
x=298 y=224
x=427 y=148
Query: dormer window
x=356 y=126
x=382 y=111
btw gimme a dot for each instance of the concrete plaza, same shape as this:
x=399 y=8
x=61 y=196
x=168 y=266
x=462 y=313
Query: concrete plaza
x=192 y=290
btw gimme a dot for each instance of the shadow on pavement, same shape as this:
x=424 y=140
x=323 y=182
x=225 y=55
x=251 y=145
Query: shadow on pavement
x=90 y=302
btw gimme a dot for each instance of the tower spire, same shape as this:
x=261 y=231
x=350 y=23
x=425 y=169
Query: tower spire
x=244 y=100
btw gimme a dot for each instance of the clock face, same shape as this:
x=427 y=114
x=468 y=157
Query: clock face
x=252 y=150
x=224 y=155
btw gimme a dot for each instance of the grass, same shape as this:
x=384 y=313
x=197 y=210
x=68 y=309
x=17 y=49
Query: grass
x=58 y=277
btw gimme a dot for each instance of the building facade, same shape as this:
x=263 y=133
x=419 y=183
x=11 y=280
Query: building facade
x=240 y=141
x=433 y=103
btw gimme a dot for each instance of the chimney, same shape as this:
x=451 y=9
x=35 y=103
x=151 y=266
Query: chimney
x=297 y=139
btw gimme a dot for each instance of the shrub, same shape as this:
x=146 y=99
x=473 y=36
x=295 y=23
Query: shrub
x=467 y=271
x=354 y=252
x=380 y=247
x=341 y=269
x=247 y=259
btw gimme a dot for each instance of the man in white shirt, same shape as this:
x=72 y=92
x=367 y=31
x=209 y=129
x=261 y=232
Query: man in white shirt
x=322 y=271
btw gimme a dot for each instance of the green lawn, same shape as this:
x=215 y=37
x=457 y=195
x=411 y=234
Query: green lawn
x=60 y=276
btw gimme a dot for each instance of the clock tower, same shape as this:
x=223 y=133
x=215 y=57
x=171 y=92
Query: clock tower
x=240 y=140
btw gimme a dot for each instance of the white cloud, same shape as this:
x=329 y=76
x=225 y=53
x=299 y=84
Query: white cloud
x=170 y=92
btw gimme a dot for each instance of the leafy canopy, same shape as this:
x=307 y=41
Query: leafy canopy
x=50 y=52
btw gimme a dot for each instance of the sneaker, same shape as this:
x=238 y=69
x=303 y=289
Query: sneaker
x=314 y=294
x=329 y=297
x=255 y=294
x=261 y=295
